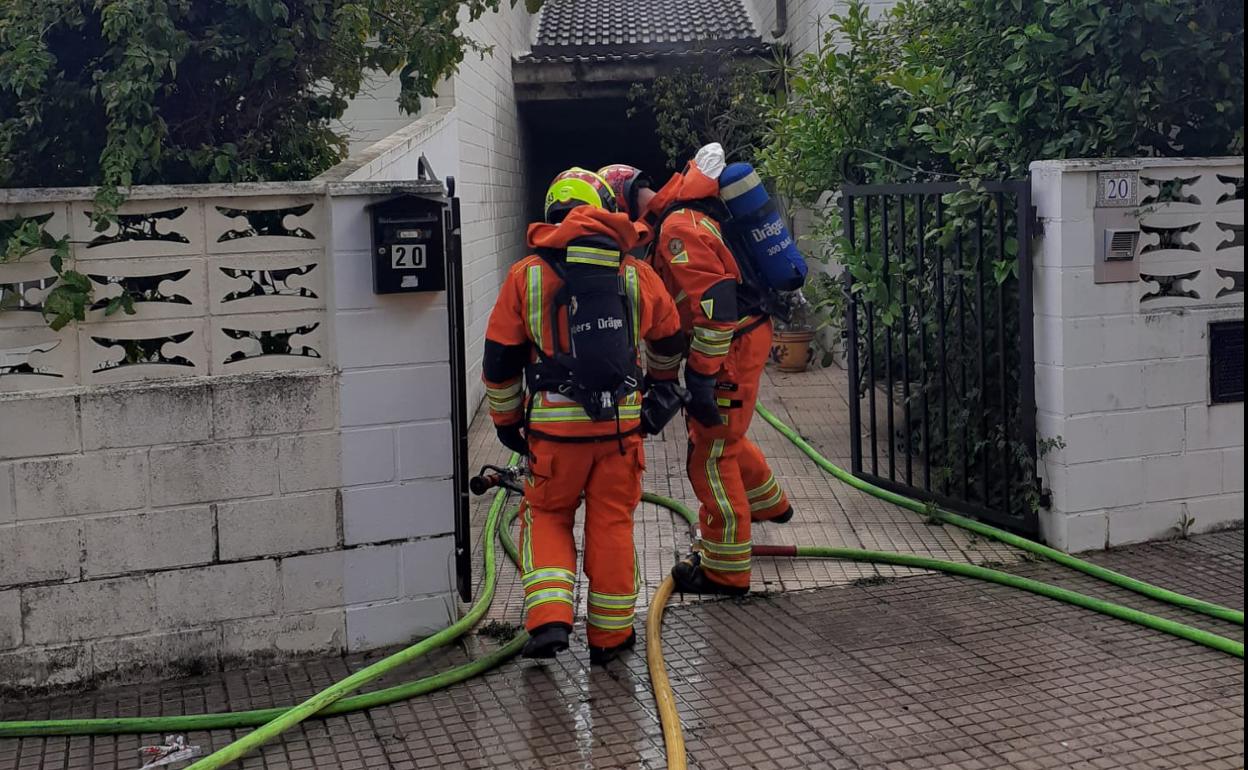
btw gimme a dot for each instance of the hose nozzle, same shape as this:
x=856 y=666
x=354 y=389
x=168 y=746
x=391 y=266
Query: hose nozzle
x=492 y=476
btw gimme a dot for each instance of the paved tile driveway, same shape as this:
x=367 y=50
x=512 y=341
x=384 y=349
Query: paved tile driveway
x=835 y=666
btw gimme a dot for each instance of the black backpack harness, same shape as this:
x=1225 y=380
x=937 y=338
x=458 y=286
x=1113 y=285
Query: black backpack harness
x=599 y=370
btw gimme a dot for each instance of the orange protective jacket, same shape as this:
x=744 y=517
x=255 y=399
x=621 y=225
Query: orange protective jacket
x=698 y=269
x=521 y=322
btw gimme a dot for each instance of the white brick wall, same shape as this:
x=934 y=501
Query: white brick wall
x=1124 y=382
x=223 y=513
x=808 y=22
x=136 y=520
x=374 y=113
x=394 y=413
x=472 y=134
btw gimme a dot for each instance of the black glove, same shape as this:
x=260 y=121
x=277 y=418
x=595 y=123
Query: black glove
x=511 y=437
x=701 y=405
x=662 y=402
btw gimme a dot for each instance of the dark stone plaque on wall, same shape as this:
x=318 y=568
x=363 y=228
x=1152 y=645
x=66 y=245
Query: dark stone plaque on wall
x=1226 y=361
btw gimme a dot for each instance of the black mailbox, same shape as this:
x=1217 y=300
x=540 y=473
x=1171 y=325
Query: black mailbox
x=409 y=244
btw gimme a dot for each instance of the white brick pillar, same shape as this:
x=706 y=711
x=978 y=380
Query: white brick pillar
x=1122 y=369
x=395 y=414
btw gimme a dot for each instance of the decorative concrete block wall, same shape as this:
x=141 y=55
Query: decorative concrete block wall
x=254 y=465
x=1122 y=369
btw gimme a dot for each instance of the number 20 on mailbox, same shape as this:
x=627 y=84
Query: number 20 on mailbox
x=409 y=244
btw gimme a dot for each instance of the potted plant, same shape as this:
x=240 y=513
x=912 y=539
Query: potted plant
x=813 y=309
x=790 y=347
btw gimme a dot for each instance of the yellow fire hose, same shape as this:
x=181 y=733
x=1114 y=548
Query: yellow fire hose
x=664 y=698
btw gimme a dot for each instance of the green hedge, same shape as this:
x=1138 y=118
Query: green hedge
x=980 y=88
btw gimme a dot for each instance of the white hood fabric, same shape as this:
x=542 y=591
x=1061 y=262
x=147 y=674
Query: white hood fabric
x=710 y=160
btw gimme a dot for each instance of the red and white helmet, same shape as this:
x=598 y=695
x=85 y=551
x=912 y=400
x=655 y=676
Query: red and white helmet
x=626 y=181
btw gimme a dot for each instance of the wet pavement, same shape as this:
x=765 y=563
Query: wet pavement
x=828 y=512
x=834 y=666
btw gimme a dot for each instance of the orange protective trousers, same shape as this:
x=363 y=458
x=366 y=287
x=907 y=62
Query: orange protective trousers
x=729 y=473
x=611 y=484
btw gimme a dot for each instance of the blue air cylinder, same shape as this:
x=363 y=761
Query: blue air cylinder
x=760 y=230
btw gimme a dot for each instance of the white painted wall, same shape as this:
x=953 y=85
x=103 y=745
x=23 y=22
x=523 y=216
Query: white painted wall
x=1124 y=381
x=394 y=413
x=374 y=113
x=472 y=134
x=162 y=515
x=808 y=22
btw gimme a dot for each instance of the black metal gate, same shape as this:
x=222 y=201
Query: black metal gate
x=940 y=344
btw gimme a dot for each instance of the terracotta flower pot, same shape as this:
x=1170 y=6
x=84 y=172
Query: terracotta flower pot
x=791 y=350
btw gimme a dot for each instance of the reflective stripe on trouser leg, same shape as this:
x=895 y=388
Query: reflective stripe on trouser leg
x=764 y=497
x=718 y=465
x=548 y=589
x=611 y=495
x=767 y=499
x=613 y=613
x=725 y=512
x=547 y=548
x=726 y=557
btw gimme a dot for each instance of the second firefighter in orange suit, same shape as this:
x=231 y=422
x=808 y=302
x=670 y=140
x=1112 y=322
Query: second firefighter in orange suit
x=572 y=455
x=729 y=343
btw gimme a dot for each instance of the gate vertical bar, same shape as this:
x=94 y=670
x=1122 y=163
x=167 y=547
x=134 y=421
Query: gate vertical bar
x=962 y=353
x=870 y=308
x=885 y=232
x=1003 y=373
x=944 y=347
x=904 y=263
x=851 y=327
x=1026 y=334
x=981 y=343
x=459 y=398
x=920 y=254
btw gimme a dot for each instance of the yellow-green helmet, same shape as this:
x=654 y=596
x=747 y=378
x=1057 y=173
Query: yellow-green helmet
x=577 y=187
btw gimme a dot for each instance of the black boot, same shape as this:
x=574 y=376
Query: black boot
x=691 y=579
x=601 y=656
x=546 y=641
x=784 y=517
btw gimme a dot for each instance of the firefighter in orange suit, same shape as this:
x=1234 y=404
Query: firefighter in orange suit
x=729 y=342
x=538 y=367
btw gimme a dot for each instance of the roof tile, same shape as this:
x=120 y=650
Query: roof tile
x=618 y=30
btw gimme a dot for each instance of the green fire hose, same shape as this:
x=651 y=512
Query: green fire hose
x=260 y=717
x=333 y=701
x=341 y=688
x=1009 y=538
